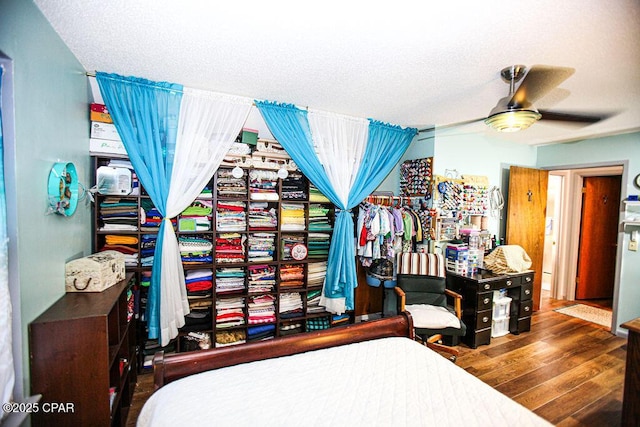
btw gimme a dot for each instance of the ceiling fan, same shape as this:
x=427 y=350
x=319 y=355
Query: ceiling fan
x=516 y=111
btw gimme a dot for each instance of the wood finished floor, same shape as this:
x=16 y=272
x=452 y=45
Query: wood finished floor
x=567 y=370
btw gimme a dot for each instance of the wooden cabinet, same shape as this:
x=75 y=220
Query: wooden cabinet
x=477 y=293
x=82 y=353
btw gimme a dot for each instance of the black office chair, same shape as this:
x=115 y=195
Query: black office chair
x=424 y=296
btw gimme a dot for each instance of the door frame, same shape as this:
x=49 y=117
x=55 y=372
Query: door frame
x=571 y=211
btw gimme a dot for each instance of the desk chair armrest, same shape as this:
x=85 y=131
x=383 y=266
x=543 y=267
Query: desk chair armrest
x=401 y=299
x=457 y=301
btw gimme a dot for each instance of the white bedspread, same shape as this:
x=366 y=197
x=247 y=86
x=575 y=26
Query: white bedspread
x=385 y=382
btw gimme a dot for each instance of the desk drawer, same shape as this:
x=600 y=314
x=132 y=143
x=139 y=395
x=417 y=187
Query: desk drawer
x=483 y=319
x=526 y=291
x=526 y=308
x=484 y=301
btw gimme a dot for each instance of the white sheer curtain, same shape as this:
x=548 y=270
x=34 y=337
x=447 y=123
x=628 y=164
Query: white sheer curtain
x=208 y=124
x=339 y=141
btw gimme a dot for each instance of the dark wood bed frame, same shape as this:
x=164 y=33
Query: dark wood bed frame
x=171 y=367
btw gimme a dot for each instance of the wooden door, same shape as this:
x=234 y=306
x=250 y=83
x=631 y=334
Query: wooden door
x=526 y=218
x=598 y=237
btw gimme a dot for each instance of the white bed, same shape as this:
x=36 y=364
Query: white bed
x=391 y=381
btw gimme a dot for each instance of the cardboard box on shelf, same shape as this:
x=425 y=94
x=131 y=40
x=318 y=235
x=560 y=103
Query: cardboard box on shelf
x=106 y=146
x=99 y=108
x=101 y=130
x=100 y=117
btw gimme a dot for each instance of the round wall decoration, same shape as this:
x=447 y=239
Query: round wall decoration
x=63 y=189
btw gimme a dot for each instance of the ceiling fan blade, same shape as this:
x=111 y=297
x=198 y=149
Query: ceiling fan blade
x=585 y=119
x=537 y=83
x=451 y=125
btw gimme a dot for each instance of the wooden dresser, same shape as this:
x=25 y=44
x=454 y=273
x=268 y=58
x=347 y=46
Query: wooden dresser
x=477 y=293
x=83 y=361
x=631 y=398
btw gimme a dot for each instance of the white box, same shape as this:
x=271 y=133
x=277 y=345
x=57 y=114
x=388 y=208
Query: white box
x=499 y=327
x=105 y=146
x=102 y=130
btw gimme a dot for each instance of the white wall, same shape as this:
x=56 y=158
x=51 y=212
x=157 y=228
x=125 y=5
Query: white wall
x=51 y=125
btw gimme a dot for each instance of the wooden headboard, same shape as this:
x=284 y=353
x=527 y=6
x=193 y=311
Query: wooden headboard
x=171 y=367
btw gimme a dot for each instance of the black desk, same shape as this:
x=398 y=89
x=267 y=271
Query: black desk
x=477 y=302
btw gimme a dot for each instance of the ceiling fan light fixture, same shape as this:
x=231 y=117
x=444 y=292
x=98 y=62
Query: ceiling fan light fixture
x=512 y=121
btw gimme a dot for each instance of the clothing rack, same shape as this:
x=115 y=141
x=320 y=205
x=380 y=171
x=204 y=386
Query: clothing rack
x=386 y=198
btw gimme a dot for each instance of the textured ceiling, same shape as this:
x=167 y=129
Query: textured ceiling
x=410 y=63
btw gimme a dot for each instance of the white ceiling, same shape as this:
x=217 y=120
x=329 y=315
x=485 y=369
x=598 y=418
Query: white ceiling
x=413 y=63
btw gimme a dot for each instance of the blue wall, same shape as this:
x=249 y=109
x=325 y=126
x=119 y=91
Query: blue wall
x=51 y=125
x=608 y=150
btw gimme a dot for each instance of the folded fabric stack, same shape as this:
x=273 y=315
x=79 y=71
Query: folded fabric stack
x=119 y=214
x=145 y=278
x=292 y=217
x=291 y=275
x=290 y=329
x=199 y=283
x=151 y=218
x=206 y=193
x=313 y=302
x=316 y=272
x=262 y=216
x=227 y=338
x=261 y=309
x=199 y=318
x=231 y=216
x=294 y=187
x=260 y=333
x=147 y=249
x=263 y=185
x=319 y=218
x=229 y=280
x=228 y=186
x=126 y=245
x=194 y=341
x=318 y=323
x=230 y=247
x=262 y=278
x=318 y=245
x=290 y=305
x=195 y=250
x=196 y=217
x=229 y=312
x=339 y=319
x=316 y=196
x=261 y=247
x=287 y=242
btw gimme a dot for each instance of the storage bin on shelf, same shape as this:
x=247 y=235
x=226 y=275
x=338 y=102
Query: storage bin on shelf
x=457 y=257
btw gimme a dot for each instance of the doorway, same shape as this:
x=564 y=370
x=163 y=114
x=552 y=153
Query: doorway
x=562 y=233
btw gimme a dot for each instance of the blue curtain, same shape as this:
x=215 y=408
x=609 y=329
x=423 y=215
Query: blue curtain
x=145 y=114
x=385 y=146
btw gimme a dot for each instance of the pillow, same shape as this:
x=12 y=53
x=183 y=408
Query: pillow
x=432 y=317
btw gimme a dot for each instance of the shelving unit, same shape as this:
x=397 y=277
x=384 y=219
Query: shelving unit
x=245 y=255
x=632 y=213
x=82 y=352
